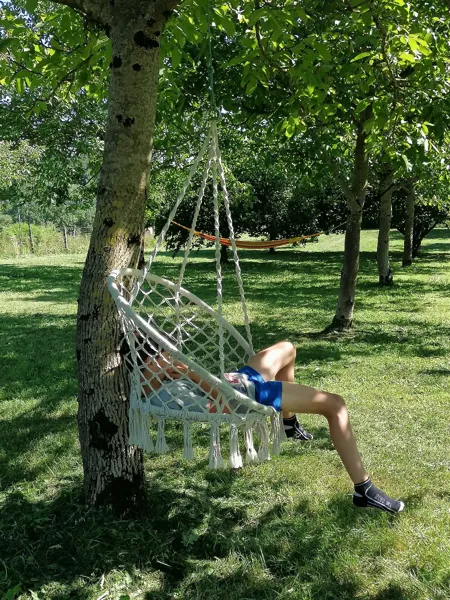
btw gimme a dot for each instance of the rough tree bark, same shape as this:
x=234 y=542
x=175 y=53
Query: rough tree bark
x=355 y=195
x=113 y=471
x=386 y=189
x=409 y=225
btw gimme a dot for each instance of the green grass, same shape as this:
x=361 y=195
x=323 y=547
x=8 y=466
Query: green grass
x=285 y=529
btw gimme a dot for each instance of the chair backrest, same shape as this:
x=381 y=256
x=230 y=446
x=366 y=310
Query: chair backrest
x=187 y=330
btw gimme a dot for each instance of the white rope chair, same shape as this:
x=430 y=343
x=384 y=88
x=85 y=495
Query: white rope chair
x=165 y=325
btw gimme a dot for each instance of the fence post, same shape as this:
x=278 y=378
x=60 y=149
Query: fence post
x=66 y=245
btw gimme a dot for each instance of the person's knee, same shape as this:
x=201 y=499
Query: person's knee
x=334 y=405
x=289 y=349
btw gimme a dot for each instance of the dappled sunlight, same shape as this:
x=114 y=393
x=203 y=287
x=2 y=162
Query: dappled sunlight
x=284 y=528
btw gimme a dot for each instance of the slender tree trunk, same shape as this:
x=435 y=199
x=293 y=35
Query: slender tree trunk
x=384 y=268
x=30 y=235
x=409 y=226
x=356 y=196
x=113 y=471
x=20 y=235
x=66 y=245
x=224 y=255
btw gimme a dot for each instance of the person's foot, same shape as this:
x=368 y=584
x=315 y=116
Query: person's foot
x=294 y=430
x=367 y=495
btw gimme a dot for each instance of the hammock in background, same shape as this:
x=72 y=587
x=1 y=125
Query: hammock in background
x=252 y=245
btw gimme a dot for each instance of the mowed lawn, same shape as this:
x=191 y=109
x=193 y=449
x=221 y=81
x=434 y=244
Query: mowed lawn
x=285 y=529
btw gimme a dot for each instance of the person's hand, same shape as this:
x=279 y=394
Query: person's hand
x=176 y=371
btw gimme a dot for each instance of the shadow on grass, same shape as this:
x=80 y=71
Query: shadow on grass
x=38 y=368
x=193 y=525
x=57 y=283
x=187 y=533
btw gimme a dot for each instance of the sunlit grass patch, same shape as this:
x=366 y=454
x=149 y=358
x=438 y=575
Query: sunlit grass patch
x=283 y=529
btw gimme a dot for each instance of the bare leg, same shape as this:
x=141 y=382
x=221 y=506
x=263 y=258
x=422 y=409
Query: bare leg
x=276 y=362
x=273 y=360
x=303 y=399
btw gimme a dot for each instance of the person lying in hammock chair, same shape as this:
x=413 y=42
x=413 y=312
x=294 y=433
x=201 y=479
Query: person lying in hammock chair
x=268 y=378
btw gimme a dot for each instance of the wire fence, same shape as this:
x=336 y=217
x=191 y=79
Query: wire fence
x=22 y=239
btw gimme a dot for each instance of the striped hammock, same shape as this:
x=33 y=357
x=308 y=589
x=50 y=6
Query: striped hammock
x=252 y=245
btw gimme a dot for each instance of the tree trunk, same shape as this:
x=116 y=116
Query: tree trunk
x=224 y=255
x=409 y=226
x=384 y=268
x=20 y=234
x=356 y=196
x=66 y=245
x=30 y=235
x=113 y=471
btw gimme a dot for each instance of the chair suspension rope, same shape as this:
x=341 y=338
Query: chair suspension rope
x=233 y=241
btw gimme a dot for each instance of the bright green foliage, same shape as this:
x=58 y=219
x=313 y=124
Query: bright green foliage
x=46 y=49
x=317 y=68
x=17 y=162
x=54 y=168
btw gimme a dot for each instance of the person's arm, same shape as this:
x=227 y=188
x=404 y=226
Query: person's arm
x=178 y=369
x=155 y=373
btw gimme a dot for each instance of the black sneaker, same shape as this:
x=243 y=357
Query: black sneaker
x=294 y=430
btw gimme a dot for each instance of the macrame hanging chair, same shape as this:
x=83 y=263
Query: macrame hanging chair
x=164 y=323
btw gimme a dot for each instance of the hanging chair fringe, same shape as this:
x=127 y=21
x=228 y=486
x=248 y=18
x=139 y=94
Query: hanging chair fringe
x=188 y=452
x=276 y=433
x=140 y=430
x=251 y=455
x=235 y=454
x=283 y=436
x=161 y=444
x=215 y=455
x=134 y=426
x=263 y=450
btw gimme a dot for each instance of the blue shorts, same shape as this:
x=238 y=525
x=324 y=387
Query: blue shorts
x=266 y=392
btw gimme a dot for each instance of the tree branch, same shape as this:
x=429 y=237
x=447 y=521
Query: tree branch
x=343 y=183
x=97 y=11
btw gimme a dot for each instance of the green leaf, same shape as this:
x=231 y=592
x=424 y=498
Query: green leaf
x=322 y=50
x=256 y=15
x=31 y=5
x=8 y=42
x=360 y=56
x=408 y=165
x=226 y=24
x=277 y=29
x=237 y=60
x=363 y=104
x=366 y=18
x=176 y=57
x=408 y=57
x=190 y=31
x=252 y=84
x=12 y=593
x=368 y=125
